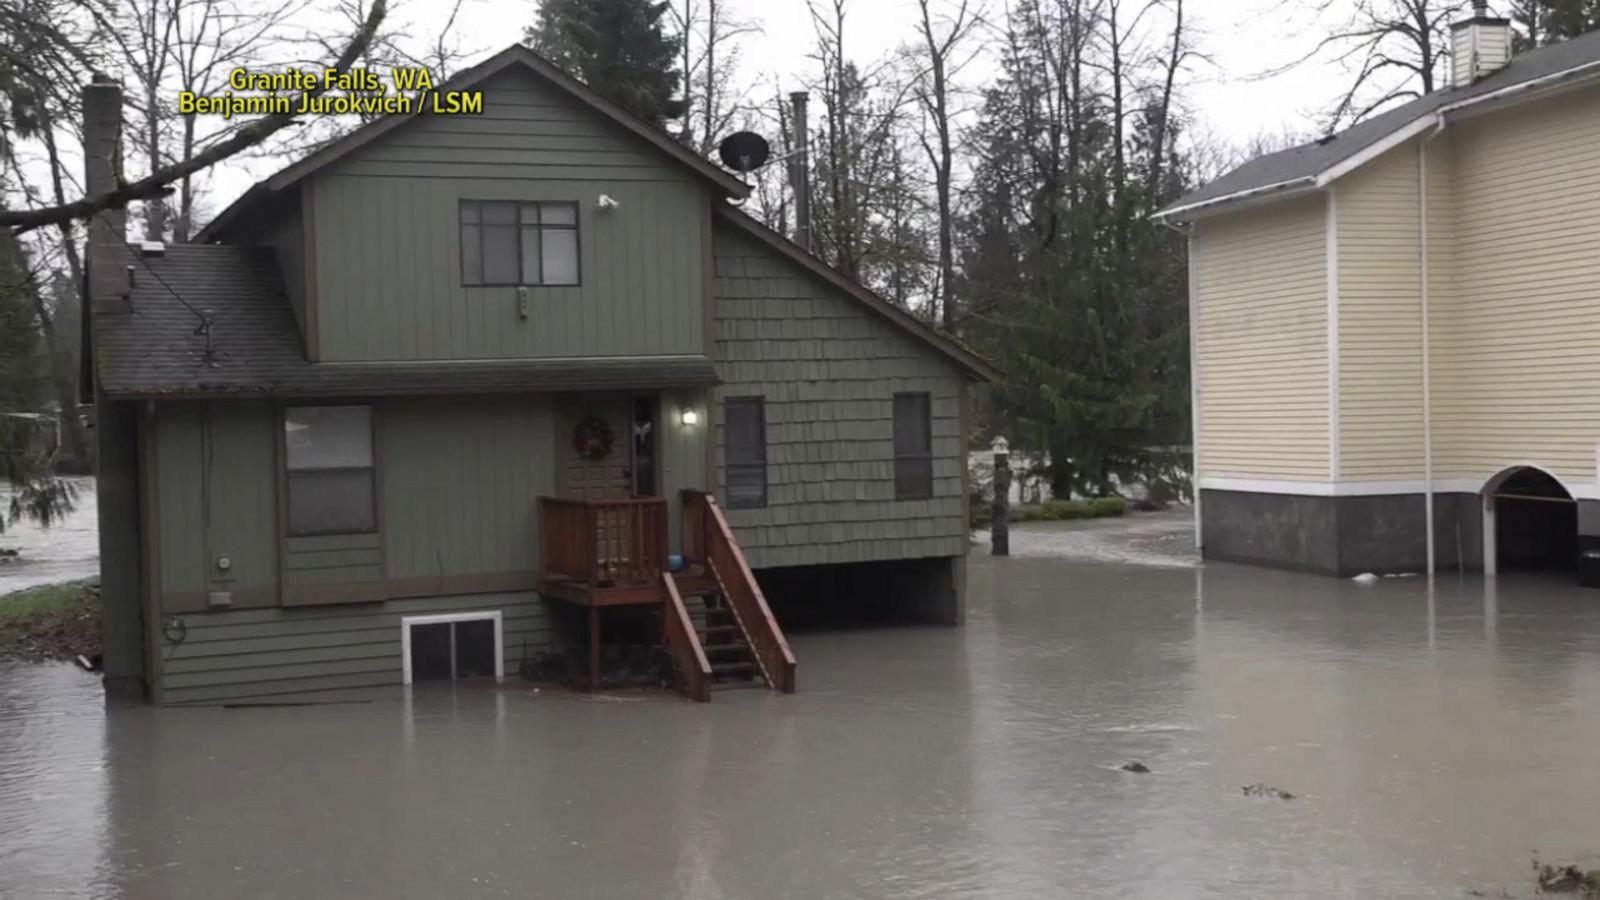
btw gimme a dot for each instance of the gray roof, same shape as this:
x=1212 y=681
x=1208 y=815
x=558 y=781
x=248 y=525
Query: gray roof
x=256 y=347
x=1309 y=160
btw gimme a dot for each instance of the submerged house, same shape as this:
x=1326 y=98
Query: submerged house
x=444 y=395
x=1395 y=329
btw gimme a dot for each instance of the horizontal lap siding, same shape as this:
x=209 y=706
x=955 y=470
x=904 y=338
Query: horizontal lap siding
x=1263 y=342
x=1380 y=317
x=331 y=559
x=388 y=240
x=828 y=371
x=1515 y=361
x=241 y=654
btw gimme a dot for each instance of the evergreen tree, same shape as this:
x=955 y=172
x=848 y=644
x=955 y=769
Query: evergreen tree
x=617 y=47
x=1073 y=289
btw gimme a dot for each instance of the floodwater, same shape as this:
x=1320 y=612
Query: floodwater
x=1433 y=741
x=67 y=550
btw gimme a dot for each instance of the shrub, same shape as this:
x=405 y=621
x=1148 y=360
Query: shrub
x=1107 y=507
x=1065 y=510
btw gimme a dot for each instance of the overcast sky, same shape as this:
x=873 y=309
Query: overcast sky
x=1241 y=38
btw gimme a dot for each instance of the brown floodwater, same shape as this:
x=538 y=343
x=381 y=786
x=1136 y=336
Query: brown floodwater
x=1433 y=740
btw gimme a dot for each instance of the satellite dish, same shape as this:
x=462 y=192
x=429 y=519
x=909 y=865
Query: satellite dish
x=744 y=151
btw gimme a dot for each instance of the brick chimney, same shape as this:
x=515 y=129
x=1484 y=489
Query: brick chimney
x=1479 y=46
x=102 y=162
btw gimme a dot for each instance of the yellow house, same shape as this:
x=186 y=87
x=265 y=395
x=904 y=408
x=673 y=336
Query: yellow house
x=1396 y=329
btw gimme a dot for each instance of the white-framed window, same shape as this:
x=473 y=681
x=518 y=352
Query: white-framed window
x=332 y=481
x=452 y=646
x=509 y=242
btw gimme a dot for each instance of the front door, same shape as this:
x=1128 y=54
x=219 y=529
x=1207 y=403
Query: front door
x=596 y=447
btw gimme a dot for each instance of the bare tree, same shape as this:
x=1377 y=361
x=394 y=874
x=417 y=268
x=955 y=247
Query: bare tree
x=1396 y=50
x=161 y=178
x=942 y=53
x=710 y=59
x=863 y=112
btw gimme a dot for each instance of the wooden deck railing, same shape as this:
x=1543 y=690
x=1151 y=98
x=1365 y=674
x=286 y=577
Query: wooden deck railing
x=595 y=542
x=678 y=634
x=708 y=539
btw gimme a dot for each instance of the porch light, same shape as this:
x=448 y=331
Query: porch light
x=690 y=417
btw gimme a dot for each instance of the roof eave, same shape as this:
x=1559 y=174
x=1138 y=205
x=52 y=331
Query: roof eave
x=1230 y=202
x=1437 y=118
x=518 y=54
x=513 y=55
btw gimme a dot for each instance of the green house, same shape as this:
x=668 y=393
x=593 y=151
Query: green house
x=454 y=389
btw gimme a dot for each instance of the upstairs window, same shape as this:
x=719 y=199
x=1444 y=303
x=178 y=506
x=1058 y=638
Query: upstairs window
x=513 y=243
x=913 y=447
x=745 y=451
x=328 y=454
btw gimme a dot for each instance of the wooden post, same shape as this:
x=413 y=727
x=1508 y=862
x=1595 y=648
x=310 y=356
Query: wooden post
x=999 y=522
x=594 y=646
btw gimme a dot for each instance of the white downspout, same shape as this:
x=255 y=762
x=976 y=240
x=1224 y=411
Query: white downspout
x=1427 y=356
x=1188 y=233
x=1194 y=391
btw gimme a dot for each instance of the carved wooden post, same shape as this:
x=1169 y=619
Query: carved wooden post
x=999 y=521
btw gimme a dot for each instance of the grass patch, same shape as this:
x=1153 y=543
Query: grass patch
x=55 y=621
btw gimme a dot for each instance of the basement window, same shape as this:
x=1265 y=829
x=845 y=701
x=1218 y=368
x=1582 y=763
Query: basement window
x=452 y=647
x=332 y=485
x=516 y=243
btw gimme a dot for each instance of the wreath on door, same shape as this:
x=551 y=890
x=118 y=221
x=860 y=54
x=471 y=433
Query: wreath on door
x=592 y=438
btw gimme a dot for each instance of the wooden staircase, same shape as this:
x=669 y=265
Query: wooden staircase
x=715 y=623
x=733 y=662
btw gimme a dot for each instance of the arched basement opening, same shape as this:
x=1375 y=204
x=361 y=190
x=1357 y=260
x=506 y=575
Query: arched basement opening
x=1530 y=523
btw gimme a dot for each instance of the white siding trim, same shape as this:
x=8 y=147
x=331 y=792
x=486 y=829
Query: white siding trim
x=1378 y=148
x=499 y=637
x=1332 y=236
x=1371 y=488
x=1194 y=390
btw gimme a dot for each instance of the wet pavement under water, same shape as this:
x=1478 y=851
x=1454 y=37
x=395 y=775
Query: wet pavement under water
x=1433 y=741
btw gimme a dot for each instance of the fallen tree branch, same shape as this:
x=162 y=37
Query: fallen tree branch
x=159 y=182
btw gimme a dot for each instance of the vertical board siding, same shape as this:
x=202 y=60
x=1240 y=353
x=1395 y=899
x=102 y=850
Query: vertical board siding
x=682 y=449
x=1380 y=318
x=1514 y=342
x=829 y=371
x=388 y=257
x=459 y=482
x=1263 y=339
x=217 y=494
x=241 y=654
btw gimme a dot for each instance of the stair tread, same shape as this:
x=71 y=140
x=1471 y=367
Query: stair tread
x=722 y=648
x=725 y=668
x=739 y=685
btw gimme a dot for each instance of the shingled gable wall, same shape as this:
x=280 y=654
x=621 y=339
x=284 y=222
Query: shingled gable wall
x=828 y=370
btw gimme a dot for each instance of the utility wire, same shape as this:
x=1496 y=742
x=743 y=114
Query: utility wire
x=204 y=328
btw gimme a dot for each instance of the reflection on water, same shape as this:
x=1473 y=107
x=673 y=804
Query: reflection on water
x=1434 y=741
x=67 y=550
